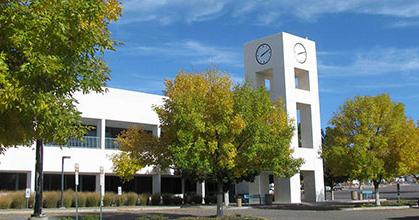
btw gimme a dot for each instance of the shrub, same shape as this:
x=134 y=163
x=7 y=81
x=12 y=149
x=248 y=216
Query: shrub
x=31 y=200
x=155 y=199
x=5 y=202
x=176 y=200
x=120 y=200
x=90 y=217
x=188 y=198
x=18 y=200
x=132 y=198
x=197 y=199
x=167 y=199
x=50 y=199
x=68 y=198
x=92 y=199
x=109 y=199
x=81 y=199
x=143 y=199
x=211 y=199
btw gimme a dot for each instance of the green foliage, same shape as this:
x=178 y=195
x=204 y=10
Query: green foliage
x=81 y=198
x=92 y=199
x=120 y=200
x=155 y=199
x=5 y=202
x=334 y=160
x=109 y=199
x=170 y=199
x=367 y=138
x=49 y=50
x=68 y=198
x=51 y=199
x=212 y=129
x=18 y=199
x=143 y=199
x=132 y=198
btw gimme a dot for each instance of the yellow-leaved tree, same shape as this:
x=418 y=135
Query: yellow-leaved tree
x=214 y=130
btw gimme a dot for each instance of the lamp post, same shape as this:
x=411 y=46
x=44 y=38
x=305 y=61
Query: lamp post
x=76 y=169
x=102 y=178
x=62 y=179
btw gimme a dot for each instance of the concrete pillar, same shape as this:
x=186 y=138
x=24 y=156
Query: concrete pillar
x=200 y=190
x=156 y=183
x=101 y=132
x=226 y=199
x=287 y=190
x=30 y=180
x=100 y=179
x=183 y=187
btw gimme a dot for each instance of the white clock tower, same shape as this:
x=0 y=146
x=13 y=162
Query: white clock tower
x=286 y=65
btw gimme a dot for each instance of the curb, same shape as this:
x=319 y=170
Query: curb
x=376 y=208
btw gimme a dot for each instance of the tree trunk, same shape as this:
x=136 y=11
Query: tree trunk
x=39 y=178
x=220 y=193
x=377 y=193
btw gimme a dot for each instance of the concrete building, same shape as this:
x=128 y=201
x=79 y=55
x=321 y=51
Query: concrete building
x=284 y=63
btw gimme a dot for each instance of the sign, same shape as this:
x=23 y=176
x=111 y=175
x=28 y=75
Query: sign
x=77 y=178
x=119 y=190
x=28 y=193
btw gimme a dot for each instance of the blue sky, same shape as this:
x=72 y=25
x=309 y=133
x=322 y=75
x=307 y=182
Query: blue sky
x=364 y=47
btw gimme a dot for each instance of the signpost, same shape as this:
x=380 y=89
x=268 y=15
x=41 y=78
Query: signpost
x=27 y=195
x=102 y=179
x=76 y=169
x=119 y=190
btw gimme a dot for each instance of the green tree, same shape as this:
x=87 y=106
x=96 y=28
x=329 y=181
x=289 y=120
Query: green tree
x=334 y=164
x=50 y=49
x=214 y=130
x=364 y=131
x=408 y=151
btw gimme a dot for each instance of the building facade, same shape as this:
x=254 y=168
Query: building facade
x=284 y=63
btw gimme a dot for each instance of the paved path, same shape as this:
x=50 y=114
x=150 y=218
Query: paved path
x=402 y=214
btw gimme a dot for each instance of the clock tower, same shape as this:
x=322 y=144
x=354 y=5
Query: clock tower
x=286 y=65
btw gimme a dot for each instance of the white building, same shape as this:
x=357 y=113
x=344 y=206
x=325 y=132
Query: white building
x=286 y=64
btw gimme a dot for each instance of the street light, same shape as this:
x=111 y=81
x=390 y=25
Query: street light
x=102 y=178
x=62 y=179
x=76 y=169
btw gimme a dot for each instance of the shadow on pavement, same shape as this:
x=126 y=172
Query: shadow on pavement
x=127 y=216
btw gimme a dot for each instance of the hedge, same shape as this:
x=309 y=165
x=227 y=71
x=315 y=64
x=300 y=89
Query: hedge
x=52 y=199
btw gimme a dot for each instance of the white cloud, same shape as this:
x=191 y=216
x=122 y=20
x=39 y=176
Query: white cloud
x=376 y=61
x=196 y=52
x=262 y=12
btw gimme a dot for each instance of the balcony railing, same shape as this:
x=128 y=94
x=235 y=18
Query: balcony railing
x=86 y=142
x=110 y=143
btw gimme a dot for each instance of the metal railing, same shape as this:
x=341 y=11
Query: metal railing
x=110 y=143
x=86 y=142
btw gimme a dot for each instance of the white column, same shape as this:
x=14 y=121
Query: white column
x=156 y=183
x=30 y=180
x=226 y=199
x=200 y=190
x=101 y=131
x=183 y=187
x=97 y=187
x=287 y=190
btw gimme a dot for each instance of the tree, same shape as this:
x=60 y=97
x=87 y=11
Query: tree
x=214 y=130
x=334 y=161
x=50 y=49
x=364 y=131
x=408 y=152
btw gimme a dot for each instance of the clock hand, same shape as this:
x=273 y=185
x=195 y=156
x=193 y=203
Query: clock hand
x=265 y=52
x=300 y=53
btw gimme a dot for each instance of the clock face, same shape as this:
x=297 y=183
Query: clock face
x=263 y=53
x=300 y=53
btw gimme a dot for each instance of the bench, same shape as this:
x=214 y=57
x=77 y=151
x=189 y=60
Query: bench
x=251 y=199
x=367 y=194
